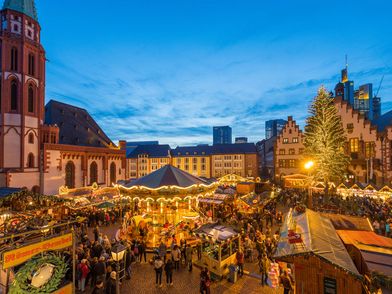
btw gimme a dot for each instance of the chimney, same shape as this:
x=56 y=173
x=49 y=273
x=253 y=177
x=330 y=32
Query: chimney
x=122 y=144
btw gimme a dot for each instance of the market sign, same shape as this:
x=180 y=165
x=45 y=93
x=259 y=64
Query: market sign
x=294 y=237
x=18 y=256
x=65 y=290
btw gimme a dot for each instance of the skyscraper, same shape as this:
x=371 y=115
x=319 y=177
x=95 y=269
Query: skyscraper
x=222 y=135
x=273 y=127
x=361 y=99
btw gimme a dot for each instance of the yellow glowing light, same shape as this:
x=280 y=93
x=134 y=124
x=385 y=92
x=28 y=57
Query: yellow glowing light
x=309 y=164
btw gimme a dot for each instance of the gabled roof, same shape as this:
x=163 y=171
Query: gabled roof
x=200 y=150
x=240 y=148
x=23 y=6
x=167 y=176
x=150 y=150
x=348 y=222
x=76 y=125
x=319 y=238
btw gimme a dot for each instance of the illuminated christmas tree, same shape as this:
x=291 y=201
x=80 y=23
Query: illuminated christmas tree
x=325 y=139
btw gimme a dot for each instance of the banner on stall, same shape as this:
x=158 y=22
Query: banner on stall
x=18 y=256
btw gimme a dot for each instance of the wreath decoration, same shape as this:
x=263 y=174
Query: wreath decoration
x=24 y=277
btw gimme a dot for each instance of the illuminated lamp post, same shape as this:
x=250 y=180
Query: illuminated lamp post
x=309 y=166
x=118 y=251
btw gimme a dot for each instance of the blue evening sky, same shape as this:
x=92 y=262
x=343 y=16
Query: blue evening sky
x=170 y=70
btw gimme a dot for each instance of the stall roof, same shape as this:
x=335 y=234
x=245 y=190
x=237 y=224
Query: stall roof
x=348 y=222
x=219 y=232
x=378 y=262
x=364 y=238
x=319 y=238
x=6 y=191
x=167 y=176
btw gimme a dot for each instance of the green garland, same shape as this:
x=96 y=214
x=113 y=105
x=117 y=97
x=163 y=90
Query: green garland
x=22 y=282
x=381 y=280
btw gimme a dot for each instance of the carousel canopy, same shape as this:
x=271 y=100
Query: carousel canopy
x=167 y=176
x=317 y=237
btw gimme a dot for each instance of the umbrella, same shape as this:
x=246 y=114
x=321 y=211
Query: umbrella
x=106 y=204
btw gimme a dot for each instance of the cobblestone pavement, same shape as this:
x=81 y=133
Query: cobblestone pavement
x=143 y=282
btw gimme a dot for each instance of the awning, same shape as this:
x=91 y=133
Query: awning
x=210 y=201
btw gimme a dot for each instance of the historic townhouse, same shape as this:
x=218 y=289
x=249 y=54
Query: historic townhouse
x=289 y=147
x=145 y=159
x=43 y=149
x=195 y=160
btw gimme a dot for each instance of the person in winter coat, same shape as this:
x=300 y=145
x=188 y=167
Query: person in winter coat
x=169 y=272
x=162 y=249
x=240 y=262
x=188 y=256
x=83 y=271
x=176 y=256
x=158 y=267
x=100 y=269
x=111 y=283
x=99 y=288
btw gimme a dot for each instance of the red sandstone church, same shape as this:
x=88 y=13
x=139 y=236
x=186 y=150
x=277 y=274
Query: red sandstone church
x=44 y=148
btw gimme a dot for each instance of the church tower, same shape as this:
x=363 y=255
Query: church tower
x=22 y=95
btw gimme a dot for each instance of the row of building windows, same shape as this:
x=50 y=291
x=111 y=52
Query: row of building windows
x=291 y=151
x=288 y=163
x=369 y=147
x=294 y=140
x=14 y=62
x=194 y=160
x=14 y=97
x=70 y=173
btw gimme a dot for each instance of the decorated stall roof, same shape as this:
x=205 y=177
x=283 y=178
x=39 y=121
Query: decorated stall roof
x=315 y=235
x=214 y=199
x=348 y=222
x=216 y=231
x=167 y=176
x=6 y=191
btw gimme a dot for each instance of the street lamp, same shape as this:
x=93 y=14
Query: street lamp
x=308 y=166
x=118 y=251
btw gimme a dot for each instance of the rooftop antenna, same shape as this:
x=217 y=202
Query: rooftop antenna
x=379 y=87
x=346 y=62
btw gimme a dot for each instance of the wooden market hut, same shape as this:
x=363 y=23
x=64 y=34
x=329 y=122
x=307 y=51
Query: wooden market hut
x=318 y=257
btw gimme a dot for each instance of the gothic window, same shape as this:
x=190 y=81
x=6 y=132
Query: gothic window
x=93 y=173
x=70 y=175
x=30 y=160
x=31 y=138
x=30 y=104
x=31 y=64
x=14 y=95
x=112 y=173
x=14 y=59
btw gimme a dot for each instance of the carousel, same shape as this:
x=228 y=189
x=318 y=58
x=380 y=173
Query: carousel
x=165 y=204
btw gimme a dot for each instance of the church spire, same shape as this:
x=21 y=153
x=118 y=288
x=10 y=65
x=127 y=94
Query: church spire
x=24 y=6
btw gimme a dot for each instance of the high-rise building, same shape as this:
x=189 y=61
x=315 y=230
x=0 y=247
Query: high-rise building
x=239 y=140
x=274 y=127
x=222 y=135
x=361 y=99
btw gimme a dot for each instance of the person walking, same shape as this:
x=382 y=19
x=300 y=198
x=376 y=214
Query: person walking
x=111 y=284
x=162 y=250
x=188 y=256
x=82 y=273
x=240 y=262
x=98 y=288
x=142 y=251
x=205 y=281
x=286 y=283
x=158 y=267
x=100 y=269
x=169 y=272
x=264 y=265
x=176 y=257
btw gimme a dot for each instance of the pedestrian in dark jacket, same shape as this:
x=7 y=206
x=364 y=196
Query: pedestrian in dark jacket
x=111 y=284
x=100 y=269
x=99 y=288
x=169 y=272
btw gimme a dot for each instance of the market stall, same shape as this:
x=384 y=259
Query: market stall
x=219 y=245
x=310 y=246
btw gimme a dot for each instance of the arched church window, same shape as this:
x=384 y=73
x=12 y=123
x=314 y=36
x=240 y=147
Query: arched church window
x=30 y=160
x=30 y=102
x=14 y=59
x=70 y=175
x=113 y=173
x=31 y=138
x=14 y=95
x=93 y=173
